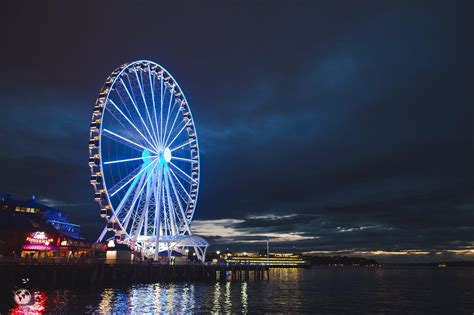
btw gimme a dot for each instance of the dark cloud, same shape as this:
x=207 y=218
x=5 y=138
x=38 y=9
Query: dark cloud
x=351 y=124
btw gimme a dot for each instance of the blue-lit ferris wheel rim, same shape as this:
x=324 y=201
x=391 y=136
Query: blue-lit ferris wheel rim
x=159 y=69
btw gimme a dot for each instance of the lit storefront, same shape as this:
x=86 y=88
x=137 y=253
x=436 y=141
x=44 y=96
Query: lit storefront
x=40 y=244
x=31 y=229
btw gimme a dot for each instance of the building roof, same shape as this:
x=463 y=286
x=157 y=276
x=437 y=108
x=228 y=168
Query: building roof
x=7 y=199
x=48 y=219
x=24 y=222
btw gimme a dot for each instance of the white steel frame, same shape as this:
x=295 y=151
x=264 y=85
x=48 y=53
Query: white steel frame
x=151 y=205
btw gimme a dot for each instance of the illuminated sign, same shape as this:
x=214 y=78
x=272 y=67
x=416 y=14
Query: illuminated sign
x=39 y=238
x=38 y=247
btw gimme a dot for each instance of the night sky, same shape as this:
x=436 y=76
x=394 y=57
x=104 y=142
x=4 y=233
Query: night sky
x=332 y=127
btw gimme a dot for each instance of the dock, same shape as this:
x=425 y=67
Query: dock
x=62 y=274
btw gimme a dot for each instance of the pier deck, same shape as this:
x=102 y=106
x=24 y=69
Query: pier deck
x=97 y=273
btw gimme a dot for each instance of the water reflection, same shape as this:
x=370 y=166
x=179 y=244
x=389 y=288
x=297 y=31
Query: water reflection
x=106 y=301
x=220 y=297
x=162 y=298
x=37 y=305
x=228 y=298
x=216 y=307
x=173 y=298
x=327 y=290
x=244 y=297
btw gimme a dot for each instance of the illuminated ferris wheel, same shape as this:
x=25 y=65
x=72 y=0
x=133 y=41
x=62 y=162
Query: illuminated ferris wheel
x=144 y=160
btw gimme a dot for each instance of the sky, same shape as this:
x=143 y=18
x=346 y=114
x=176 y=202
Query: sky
x=329 y=127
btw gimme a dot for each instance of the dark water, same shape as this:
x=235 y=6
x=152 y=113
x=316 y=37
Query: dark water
x=318 y=290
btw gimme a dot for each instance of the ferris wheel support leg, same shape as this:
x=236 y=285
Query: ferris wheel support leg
x=156 y=248
x=201 y=253
x=157 y=216
x=198 y=254
x=204 y=253
x=169 y=254
x=101 y=236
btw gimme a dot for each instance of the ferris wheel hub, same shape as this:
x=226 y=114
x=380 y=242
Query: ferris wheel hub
x=146 y=156
x=167 y=155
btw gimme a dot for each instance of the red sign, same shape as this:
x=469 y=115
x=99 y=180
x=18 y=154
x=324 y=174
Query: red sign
x=38 y=247
x=39 y=238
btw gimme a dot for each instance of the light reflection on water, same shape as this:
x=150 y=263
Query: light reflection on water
x=170 y=298
x=325 y=290
x=165 y=298
x=245 y=297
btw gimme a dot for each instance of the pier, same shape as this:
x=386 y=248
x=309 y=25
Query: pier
x=62 y=274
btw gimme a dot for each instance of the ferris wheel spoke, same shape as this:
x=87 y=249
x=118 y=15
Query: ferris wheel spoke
x=132 y=159
x=118 y=210
x=183 y=159
x=152 y=89
x=157 y=225
x=169 y=109
x=113 y=113
x=174 y=122
x=133 y=174
x=135 y=103
x=161 y=108
x=144 y=219
x=124 y=105
x=177 y=196
x=165 y=216
x=136 y=108
x=130 y=180
x=177 y=134
x=171 y=209
x=145 y=104
x=180 y=184
x=124 y=222
x=182 y=145
x=183 y=172
x=144 y=211
x=130 y=122
x=138 y=210
x=128 y=141
x=121 y=140
x=137 y=195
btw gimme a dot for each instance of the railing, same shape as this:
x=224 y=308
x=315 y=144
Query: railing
x=81 y=261
x=68 y=260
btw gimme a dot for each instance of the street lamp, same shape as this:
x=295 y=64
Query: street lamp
x=218 y=252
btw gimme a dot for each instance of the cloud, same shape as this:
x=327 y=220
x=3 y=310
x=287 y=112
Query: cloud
x=358 y=119
x=404 y=256
x=229 y=231
x=333 y=231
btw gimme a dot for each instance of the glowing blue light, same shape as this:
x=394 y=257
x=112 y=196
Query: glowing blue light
x=167 y=155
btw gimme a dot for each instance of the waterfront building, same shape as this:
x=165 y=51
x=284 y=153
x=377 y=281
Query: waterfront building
x=29 y=228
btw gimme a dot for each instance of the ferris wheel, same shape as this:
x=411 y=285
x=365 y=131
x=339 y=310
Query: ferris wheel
x=144 y=160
